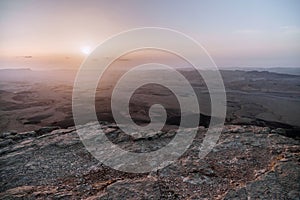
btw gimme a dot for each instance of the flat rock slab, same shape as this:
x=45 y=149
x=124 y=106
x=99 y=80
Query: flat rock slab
x=248 y=162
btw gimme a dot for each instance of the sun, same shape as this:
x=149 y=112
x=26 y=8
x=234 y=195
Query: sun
x=86 y=50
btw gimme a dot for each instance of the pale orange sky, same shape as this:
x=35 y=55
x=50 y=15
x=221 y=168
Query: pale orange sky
x=236 y=34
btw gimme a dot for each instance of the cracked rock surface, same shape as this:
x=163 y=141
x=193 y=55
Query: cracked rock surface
x=248 y=162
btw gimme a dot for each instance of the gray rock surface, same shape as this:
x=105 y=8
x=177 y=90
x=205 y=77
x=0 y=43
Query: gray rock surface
x=248 y=162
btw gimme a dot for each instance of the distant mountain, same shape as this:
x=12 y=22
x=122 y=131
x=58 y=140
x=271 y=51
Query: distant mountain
x=15 y=70
x=279 y=70
x=293 y=71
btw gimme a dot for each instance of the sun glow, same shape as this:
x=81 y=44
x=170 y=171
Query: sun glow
x=86 y=50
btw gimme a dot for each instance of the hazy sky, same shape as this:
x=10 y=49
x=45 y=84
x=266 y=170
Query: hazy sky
x=236 y=33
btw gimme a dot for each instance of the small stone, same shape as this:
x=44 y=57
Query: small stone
x=47 y=129
x=259 y=172
x=5 y=134
x=27 y=134
x=294 y=194
x=6 y=143
x=280 y=131
x=265 y=130
x=284 y=160
x=113 y=126
x=256 y=144
x=109 y=130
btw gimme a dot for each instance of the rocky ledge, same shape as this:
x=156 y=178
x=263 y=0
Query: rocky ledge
x=248 y=162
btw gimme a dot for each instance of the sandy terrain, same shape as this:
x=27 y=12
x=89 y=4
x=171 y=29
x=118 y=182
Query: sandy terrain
x=32 y=99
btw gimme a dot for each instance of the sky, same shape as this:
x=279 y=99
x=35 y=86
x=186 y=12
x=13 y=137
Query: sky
x=59 y=34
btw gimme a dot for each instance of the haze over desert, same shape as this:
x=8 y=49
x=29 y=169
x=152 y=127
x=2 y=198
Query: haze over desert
x=131 y=99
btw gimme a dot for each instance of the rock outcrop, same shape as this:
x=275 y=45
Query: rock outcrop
x=248 y=162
